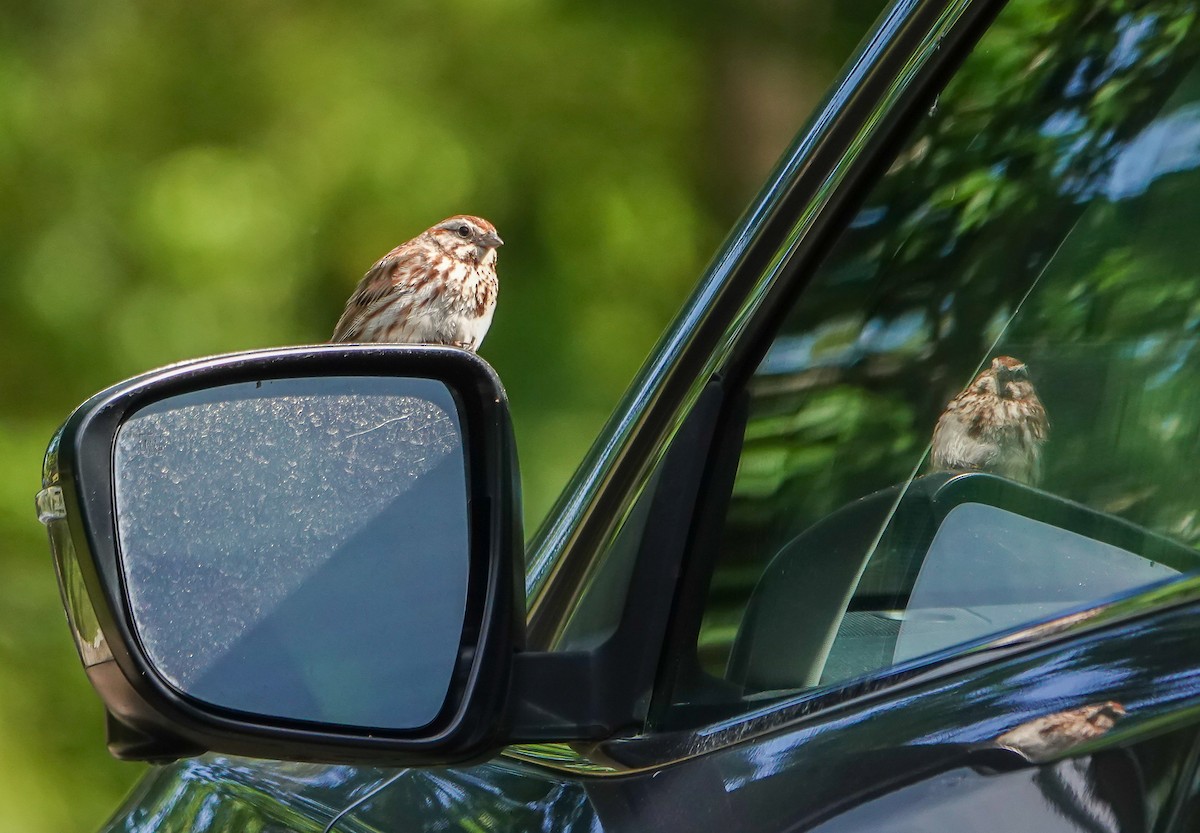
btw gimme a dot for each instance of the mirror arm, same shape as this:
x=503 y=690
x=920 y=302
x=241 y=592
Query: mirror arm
x=128 y=743
x=595 y=694
x=563 y=696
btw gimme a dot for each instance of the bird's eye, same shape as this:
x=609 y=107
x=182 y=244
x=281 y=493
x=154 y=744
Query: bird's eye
x=464 y=231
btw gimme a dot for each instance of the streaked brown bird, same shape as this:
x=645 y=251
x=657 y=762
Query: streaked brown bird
x=438 y=288
x=996 y=424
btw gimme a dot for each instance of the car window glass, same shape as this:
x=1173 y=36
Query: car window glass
x=982 y=411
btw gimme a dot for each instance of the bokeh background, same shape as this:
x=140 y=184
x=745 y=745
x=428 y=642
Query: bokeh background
x=179 y=179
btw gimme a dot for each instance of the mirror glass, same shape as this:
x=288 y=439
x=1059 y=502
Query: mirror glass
x=299 y=548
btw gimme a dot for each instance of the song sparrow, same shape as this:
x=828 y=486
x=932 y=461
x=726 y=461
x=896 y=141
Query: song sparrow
x=438 y=288
x=996 y=424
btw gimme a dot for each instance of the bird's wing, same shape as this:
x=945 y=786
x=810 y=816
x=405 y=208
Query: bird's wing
x=1039 y=423
x=376 y=289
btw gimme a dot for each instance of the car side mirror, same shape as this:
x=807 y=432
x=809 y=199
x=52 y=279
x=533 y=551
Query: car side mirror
x=305 y=553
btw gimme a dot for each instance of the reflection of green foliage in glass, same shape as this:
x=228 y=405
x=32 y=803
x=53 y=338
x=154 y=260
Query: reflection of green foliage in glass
x=1010 y=222
x=808 y=440
x=183 y=179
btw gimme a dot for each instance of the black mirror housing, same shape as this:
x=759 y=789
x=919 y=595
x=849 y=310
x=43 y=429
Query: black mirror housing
x=144 y=566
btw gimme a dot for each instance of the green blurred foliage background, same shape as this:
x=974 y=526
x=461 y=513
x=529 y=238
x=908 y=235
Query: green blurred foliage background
x=179 y=179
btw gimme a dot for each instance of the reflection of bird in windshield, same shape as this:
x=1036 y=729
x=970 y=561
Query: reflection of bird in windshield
x=996 y=424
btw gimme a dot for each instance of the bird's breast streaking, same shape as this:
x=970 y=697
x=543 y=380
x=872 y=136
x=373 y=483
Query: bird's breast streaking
x=438 y=288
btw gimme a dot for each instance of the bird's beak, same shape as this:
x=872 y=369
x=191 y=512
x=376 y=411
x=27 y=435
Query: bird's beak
x=491 y=240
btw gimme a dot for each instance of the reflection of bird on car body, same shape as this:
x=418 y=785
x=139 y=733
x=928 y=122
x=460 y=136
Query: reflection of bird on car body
x=996 y=424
